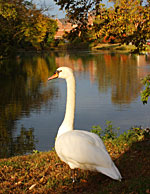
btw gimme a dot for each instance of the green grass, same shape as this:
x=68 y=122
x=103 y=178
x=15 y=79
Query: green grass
x=115 y=47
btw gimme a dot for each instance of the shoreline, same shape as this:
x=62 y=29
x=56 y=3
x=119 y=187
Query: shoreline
x=116 y=47
x=43 y=172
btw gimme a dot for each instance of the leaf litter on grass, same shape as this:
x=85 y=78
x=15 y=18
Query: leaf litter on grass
x=43 y=172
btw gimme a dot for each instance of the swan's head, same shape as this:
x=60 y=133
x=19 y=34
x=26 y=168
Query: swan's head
x=62 y=72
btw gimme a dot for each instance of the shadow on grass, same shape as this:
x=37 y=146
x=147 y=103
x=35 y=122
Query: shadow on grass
x=134 y=166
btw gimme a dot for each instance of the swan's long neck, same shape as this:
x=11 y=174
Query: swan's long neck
x=68 y=122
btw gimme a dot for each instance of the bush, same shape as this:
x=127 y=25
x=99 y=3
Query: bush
x=119 y=143
x=146 y=92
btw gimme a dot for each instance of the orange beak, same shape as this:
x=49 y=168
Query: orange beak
x=53 y=76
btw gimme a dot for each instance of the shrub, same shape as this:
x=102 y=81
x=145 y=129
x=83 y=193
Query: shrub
x=119 y=143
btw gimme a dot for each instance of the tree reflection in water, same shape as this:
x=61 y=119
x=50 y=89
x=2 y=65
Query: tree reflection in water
x=20 y=85
x=22 y=144
x=116 y=71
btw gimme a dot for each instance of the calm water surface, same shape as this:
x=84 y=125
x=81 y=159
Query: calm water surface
x=31 y=109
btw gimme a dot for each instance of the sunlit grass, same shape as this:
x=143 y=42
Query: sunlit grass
x=43 y=172
x=115 y=47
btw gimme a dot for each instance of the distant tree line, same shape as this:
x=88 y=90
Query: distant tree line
x=23 y=26
x=125 y=22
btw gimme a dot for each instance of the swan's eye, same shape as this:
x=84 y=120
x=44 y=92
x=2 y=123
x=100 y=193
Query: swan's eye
x=58 y=71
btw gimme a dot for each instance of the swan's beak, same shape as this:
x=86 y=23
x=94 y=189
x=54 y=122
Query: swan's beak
x=53 y=76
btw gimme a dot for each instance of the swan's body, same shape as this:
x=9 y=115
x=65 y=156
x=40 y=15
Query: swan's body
x=78 y=148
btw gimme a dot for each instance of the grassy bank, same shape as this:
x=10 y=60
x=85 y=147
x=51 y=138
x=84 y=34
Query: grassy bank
x=115 y=47
x=118 y=47
x=44 y=173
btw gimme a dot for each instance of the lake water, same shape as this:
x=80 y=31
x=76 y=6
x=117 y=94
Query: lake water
x=108 y=87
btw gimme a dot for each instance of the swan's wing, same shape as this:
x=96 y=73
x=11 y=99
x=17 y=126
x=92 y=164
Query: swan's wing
x=83 y=147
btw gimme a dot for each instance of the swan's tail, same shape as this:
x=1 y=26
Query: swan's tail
x=112 y=172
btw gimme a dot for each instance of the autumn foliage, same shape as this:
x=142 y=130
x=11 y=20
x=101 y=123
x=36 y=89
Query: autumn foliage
x=23 y=26
x=125 y=21
x=128 y=22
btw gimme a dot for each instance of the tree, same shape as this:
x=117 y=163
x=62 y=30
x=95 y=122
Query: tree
x=24 y=26
x=78 y=13
x=127 y=21
x=38 y=29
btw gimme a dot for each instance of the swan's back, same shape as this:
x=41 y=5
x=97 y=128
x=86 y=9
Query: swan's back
x=85 y=150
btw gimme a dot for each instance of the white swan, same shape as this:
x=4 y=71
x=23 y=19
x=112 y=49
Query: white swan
x=78 y=148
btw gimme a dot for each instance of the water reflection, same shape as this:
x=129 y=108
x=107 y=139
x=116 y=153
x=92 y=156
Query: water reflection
x=24 y=91
x=20 y=86
x=22 y=144
x=118 y=72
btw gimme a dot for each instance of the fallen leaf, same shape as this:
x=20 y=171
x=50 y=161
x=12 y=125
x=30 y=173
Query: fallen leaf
x=83 y=181
x=41 y=180
x=32 y=186
x=18 y=183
